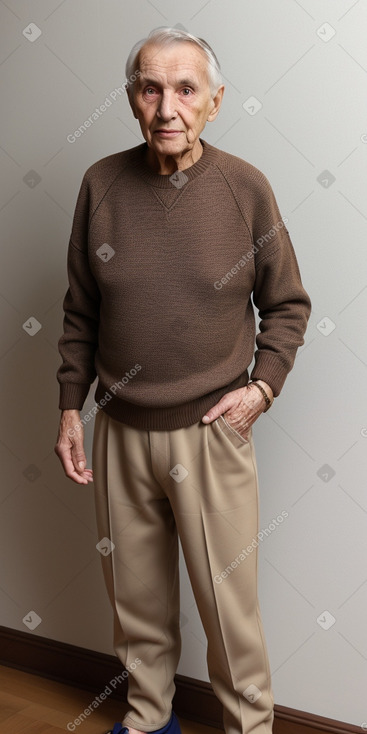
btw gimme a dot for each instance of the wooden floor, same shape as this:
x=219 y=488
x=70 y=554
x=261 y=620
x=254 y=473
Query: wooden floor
x=30 y=704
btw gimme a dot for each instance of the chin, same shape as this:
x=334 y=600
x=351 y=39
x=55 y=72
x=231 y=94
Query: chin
x=169 y=147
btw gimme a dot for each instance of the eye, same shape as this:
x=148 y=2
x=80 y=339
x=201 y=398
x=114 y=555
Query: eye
x=186 y=91
x=149 y=90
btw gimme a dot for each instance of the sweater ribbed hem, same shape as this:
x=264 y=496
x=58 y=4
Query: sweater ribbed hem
x=164 y=419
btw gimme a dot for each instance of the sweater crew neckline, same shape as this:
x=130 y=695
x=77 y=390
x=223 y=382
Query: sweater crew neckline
x=164 y=181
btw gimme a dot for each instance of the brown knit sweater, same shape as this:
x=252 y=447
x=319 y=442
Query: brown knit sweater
x=161 y=272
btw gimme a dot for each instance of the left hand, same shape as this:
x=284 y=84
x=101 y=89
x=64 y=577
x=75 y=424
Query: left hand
x=241 y=407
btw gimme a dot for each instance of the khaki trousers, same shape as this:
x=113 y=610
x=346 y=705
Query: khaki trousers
x=200 y=484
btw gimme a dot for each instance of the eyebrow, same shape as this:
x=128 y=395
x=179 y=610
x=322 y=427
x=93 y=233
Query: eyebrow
x=181 y=82
x=187 y=83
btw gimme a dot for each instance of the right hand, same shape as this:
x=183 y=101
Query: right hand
x=70 y=448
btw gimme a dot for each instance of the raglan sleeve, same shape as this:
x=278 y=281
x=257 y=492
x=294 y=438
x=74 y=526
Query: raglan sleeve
x=283 y=304
x=79 y=341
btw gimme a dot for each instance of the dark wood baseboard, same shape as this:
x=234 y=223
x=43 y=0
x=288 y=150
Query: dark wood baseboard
x=194 y=699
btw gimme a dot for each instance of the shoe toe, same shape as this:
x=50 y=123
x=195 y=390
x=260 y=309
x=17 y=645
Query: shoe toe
x=117 y=729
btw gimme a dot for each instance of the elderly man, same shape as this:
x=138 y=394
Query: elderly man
x=169 y=242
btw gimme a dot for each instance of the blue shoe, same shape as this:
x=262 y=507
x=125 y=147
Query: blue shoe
x=172 y=727
x=117 y=729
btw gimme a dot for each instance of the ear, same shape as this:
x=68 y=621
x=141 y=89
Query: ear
x=216 y=103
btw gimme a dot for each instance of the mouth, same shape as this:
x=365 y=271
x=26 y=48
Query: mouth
x=167 y=133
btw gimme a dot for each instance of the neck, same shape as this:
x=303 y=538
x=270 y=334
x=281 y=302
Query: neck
x=167 y=164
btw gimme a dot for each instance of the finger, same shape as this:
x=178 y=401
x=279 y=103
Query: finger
x=70 y=471
x=242 y=400
x=78 y=457
x=86 y=475
x=224 y=404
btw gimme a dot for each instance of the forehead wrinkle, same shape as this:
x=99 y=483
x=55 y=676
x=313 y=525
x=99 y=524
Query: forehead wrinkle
x=181 y=68
x=149 y=78
x=180 y=75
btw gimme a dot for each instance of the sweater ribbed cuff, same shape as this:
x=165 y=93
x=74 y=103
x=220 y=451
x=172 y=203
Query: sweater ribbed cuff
x=73 y=395
x=271 y=369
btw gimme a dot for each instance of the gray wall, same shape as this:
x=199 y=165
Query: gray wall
x=306 y=63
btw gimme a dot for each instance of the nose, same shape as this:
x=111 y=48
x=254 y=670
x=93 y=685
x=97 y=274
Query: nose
x=167 y=108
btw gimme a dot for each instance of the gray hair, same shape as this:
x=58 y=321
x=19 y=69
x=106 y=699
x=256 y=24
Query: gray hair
x=164 y=35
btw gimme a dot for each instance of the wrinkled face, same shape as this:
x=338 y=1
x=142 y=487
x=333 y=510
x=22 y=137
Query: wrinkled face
x=171 y=97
